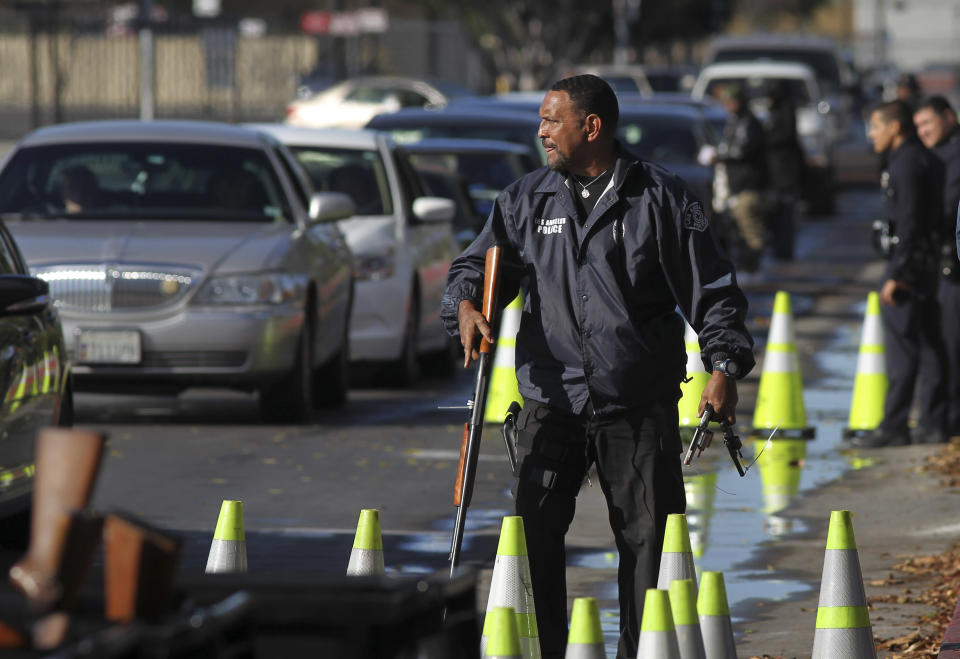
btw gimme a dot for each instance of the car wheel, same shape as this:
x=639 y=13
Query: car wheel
x=291 y=399
x=405 y=371
x=331 y=381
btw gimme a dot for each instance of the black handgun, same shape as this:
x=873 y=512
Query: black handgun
x=702 y=437
x=509 y=432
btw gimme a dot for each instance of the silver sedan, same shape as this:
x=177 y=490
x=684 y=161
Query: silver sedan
x=186 y=254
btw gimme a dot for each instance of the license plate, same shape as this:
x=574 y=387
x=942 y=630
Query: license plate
x=108 y=347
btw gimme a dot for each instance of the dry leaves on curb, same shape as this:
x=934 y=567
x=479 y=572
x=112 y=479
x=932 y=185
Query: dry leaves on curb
x=944 y=570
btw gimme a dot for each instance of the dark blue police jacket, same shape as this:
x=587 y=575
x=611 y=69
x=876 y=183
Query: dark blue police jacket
x=599 y=315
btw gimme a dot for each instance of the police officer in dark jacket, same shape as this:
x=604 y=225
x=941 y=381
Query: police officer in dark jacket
x=604 y=248
x=742 y=153
x=785 y=165
x=938 y=130
x=913 y=205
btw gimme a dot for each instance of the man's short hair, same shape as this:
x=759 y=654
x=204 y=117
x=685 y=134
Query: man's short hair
x=897 y=111
x=592 y=95
x=937 y=104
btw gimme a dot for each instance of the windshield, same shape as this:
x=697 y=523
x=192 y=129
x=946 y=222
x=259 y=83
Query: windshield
x=662 y=139
x=518 y=134
x=483 y=170
x=760 y=88
x=142 y=181
x=358 y=173
x=823 y=63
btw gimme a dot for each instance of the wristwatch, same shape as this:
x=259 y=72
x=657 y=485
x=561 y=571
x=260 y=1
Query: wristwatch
x=728 y=367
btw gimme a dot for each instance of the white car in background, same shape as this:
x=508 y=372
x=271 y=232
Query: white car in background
x=402 y=241
x=757 y=78
x=352 y=103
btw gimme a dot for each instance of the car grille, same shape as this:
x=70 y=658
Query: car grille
x=184 y=359
x=108 y=288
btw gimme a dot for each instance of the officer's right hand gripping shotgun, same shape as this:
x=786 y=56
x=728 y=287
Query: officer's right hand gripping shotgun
x=470 y=444
x=702 y=437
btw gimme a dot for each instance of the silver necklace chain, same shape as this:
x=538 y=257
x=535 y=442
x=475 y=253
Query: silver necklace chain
x=586 y=193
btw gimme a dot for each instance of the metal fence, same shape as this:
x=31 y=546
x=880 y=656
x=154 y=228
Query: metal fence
x=64 y=70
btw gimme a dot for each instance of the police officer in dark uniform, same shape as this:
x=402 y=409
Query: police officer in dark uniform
x=938 y=130
x=605 y=248
x=915 y=354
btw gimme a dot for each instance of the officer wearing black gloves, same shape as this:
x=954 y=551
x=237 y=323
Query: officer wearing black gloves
x=605 y=248
x=938 y=130
x=913 y=205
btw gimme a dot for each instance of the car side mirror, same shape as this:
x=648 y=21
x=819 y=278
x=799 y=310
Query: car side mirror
x=22 y=295
x=330 y=206
x=434 y=209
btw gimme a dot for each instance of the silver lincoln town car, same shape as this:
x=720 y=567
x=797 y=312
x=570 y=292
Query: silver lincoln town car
x=185 y=254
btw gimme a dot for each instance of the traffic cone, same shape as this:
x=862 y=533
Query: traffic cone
x=228 y=551
x=510 y=586
x=780 y=394
x=658 y=636
x=843 y=622
x=683 y=606
x=780 y=463
x=503 y=377
x=692 y=388
x=701 y=490
x=586 y=637
x=366 y=557
x=504 y=639
x=871 y=382
x=714 y=616
x=676 y=560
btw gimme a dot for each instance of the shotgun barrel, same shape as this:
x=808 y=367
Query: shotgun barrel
x=470 y=445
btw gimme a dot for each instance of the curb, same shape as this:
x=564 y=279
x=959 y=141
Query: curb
x=950 y=648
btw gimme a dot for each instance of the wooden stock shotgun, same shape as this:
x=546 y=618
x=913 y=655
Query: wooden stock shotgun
x=470 y=443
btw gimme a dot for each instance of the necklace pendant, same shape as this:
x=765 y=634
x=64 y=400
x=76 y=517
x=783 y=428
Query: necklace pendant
x=585 y=193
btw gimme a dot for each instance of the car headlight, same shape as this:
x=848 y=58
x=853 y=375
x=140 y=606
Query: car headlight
x=374 y=265
x=265 y=288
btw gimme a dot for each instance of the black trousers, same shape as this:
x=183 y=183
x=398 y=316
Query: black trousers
x=948 y=295
x=637 y=455
x=915 y=355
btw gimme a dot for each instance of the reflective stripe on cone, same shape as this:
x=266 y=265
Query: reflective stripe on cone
x=843 y=622
x=511 y=586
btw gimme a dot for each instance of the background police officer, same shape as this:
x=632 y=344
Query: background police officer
x=938 y=130
x=600 y=353
x=913 y=204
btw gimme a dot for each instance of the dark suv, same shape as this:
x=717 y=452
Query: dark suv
x=34 y=381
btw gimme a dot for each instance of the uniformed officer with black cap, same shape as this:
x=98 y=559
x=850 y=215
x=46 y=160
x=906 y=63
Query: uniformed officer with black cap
x=915 y=353
x=938 y=130
x=605 y=248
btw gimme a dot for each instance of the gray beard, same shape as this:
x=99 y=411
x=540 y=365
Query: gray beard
x=560 y=164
